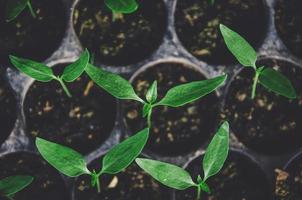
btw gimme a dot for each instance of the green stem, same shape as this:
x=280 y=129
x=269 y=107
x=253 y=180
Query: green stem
x=149 y=119
x=256 y=78
x=198 y=193
x=33 y=13
x=64 y=87
x=98 y=185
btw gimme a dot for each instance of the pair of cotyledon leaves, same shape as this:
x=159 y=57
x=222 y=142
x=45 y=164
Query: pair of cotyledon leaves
x=178 y=178
x=247 y=56
x=15 y=7
x=13 y=184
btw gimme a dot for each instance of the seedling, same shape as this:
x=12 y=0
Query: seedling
x=247 y=56
x=13 y=184
x=122 y=6
x=175 y=97
x=15 y=7
x=43 y=73
x=179 y=179
x=73 y=164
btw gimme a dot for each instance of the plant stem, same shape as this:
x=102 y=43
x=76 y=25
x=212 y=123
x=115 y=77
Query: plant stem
x=256 y=78
x=64 y=87
x=98 y=185
x=149 y=119
x=198 y=193
x=33 y=13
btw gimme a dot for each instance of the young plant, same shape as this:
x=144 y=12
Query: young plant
x=122 y=6
x=15 y=7
x=43 y=73
x=13 y=184
x=247 y=56
x=175 y=97
x=179 y=179
x=73 y=164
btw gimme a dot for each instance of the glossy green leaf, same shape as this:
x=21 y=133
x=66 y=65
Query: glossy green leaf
x=64 y=159
x=14 y=184
x=189 y=92
x=74 y=70
x=217 y=152
x=122 y=6
x=167 y=174
x=37 y=71
x=239 y=47
x=151 y=95
x=14 y=8
x=277 y=82
x=123 y=154
x=112 y=83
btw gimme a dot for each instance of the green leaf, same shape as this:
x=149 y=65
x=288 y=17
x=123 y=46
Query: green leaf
x=151 y=95
x=217 y=152
x=64 y=159
x=167 y=174
x=14 y=8
x=239 y=47
x=146 y=109
x=189 y=92
x=112 y=83
x=37 y=71
x=277 y=82
x=14 y=184
x=123 y=154
x=122 y=6
x=205 y=187
x=74 y=70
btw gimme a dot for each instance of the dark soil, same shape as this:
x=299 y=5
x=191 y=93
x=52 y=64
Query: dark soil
x=82 y=122
x=47 y=184
x=174 y=130
x=269 y=123
x=288 y=20
x=34 y=38
x=289 y=181
x=124 y=40
x=240 y=179
x=131 y=184
x=8 y=108
x=197 y=25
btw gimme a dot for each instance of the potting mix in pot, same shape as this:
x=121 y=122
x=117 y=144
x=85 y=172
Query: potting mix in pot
x=150 y=100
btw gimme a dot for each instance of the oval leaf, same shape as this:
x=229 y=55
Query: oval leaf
x=112 y=83
x=122 y=6
x=277 y=82
x=37 y=71
x=167 y=174
x=74 y=70
x=239 y=47
x=64 y=159
x=217 y=152
x=151 y=95
x=14 y=8
x=186 y=93
x=14 y=184
x=123 y=154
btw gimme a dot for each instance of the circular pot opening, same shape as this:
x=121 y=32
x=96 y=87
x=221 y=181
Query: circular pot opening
x=47 y=184
x=82 y=122
x=197 y=25
x=179 y=130
x=35 y=38
x=270 y=123
x=8 y=109
x=288 y=20
x=131 y=184
x=120 y=39
x=240 y=178
x=289 y=180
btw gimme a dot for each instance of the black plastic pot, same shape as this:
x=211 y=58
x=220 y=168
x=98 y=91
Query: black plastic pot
x=241 y=178
x=47 y=184
x=197 y=26
x=83 y=122
x=175 y=131
x=35 y=38
x=116 y=39
x=269 y=123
